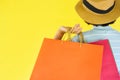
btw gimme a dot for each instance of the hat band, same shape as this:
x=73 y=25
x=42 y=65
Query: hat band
x=89 y=6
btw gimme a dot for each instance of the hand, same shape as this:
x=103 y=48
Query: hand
x=76 y=29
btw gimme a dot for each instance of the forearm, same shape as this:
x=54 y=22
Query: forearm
x=62 y=30
x=59 y=35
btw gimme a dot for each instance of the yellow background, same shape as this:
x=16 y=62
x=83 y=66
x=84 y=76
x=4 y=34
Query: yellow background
x=24 y=24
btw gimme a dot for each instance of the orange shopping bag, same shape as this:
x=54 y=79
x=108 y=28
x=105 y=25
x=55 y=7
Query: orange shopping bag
x=65 y=60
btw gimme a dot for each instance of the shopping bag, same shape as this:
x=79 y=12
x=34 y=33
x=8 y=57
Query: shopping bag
x=65 y=60
x=109 y=69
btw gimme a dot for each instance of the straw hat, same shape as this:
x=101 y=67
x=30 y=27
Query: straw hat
x=98 y=11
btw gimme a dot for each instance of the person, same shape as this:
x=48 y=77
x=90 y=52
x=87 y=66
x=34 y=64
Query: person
x=99 y=13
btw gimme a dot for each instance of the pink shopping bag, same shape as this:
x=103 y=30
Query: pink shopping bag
x=109 y=69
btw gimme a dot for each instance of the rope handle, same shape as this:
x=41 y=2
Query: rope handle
x=68 y=34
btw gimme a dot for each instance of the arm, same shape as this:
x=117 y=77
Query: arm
x=76 y=29
x=61 y=32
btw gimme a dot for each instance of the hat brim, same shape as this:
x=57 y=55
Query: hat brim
x=94 y=18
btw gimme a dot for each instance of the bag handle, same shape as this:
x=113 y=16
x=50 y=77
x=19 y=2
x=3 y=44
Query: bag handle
x=68 y=34
x=81 y=37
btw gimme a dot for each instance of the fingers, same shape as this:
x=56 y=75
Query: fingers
x=76 y=29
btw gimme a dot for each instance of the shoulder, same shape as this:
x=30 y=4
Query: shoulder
x=114 y=32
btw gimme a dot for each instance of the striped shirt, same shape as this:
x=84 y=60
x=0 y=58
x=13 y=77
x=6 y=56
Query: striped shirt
x=100 y=33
